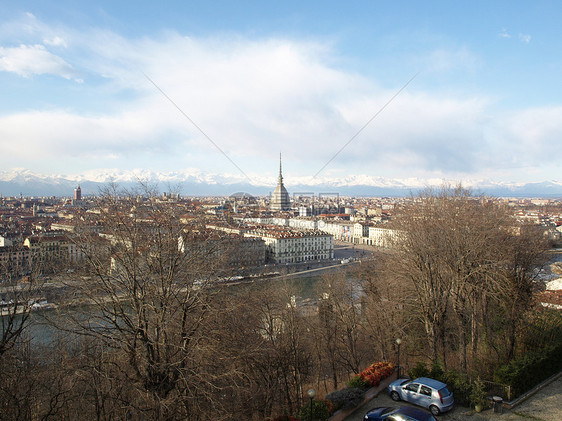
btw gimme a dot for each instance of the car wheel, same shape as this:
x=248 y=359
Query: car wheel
x=434 y=410
x=395 y=396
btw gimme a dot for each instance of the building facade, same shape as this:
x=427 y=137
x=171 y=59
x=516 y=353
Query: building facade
x=382 y=237
x=285 y=245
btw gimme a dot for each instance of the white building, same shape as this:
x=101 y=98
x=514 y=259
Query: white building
x=360 y=232
x=382 y=237
x=295 y=246
x=342 y=231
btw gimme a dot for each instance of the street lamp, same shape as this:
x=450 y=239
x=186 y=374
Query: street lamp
x=311 y=394
x=398 y=342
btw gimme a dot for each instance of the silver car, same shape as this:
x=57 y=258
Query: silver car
x=423 y=391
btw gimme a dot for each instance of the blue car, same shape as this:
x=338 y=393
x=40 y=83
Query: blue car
x=404 y=413
x=423 y=391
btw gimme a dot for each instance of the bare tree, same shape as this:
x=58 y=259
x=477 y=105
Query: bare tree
x=147 y=295
x=384 y=307
x=18 y=289
x=325 y=332
x=342 y=316
x=276 y=356
x=460 y=253
x=418 y=259
x=524 y=256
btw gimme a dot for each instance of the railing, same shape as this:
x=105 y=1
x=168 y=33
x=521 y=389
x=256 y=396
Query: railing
x=497 y=389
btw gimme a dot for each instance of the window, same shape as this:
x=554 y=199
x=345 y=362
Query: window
x=444 y=392
x=412 y=387
x=425 y=390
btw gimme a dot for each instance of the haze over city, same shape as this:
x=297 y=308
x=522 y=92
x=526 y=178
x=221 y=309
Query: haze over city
x=210 y=93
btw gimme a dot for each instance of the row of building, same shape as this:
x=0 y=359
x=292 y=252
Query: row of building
x=42 y=252
x=366 y=233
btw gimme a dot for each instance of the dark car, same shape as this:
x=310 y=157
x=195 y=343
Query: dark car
x=423 y=391
x=404 y=413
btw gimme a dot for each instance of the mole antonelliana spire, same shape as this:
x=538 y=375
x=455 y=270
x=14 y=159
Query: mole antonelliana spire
x=280 y=199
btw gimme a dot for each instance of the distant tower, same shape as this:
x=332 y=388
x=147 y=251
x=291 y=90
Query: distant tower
x=78 y=193
x=280 y=199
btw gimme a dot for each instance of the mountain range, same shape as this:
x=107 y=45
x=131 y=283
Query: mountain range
x=196 y=183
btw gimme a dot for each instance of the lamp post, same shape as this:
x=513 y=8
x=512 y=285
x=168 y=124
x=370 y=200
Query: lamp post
x=311 y=394
x=398 y=342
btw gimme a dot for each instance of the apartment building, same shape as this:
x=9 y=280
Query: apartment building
x=286 y=245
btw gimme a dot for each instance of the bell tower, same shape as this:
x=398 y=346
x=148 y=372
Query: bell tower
x=78 y=193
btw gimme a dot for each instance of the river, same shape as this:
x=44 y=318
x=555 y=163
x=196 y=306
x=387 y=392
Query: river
x=42 y=332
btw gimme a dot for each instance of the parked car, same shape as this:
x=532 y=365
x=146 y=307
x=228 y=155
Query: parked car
x=404 y=413
x=423 y=391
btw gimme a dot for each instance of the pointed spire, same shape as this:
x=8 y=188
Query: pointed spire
x=280 y=199
x=280 y=173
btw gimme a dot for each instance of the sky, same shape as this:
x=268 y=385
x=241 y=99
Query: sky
x=408 y=90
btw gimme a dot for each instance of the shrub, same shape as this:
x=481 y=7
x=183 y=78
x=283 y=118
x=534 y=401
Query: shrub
x=376 y=372
x=460 y=385
x=352 y=395
x=331 y=407
x=436 y=370
x=478 y=394
x=530 y=369
x=320 y=411
x=419 y=370
x=347 y=397
x=358 y=382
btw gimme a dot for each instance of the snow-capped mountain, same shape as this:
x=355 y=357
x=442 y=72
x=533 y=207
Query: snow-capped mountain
x=193 y=182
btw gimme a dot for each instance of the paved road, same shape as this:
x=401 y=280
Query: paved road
x=545 y=405
x=320 y=269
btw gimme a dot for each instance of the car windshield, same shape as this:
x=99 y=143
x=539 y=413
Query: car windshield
x=387 y=410
x=444 y=392
x=404 y=382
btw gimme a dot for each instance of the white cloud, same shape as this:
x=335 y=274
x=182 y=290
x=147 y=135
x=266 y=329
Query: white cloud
x=55 y=41
x=255 y=98
x=525 y=38
x=27 y=60
x=529 y=136
x=60 y=134
x=504 y=34
x=448 y=59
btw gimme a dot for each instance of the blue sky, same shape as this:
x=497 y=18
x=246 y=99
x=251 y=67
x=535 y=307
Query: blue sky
x=263 y=77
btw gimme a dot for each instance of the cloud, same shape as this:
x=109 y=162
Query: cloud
x=28 y=60
x=55 y=42
x=522 y=37
x=58 y=134
x=525 y=38
x=254 y=98
x=527 y=137
x=504 y=34
x=448 y=59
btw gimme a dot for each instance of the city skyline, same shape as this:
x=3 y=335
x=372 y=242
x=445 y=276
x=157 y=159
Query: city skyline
x=217 y=91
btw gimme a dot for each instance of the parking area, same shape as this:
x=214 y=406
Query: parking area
x=383 y=399
x=545 y=405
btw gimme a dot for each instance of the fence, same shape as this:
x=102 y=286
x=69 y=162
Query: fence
x=497 y=389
